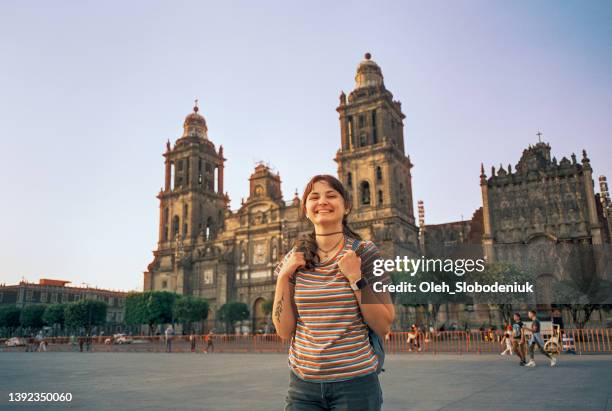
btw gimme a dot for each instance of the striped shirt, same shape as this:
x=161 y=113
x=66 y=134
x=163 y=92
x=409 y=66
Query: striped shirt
x=331 y=339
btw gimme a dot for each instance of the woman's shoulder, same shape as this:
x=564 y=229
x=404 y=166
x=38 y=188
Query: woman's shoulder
x=363 y=246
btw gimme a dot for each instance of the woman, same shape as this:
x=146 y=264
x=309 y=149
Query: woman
x=318 y=304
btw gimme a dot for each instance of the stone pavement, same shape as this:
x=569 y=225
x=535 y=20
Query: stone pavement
x=186 y=381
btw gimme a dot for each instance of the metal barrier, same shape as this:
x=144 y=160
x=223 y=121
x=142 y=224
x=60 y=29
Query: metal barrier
x=596 y=340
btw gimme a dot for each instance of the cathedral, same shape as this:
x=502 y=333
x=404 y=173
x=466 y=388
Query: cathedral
x=207 y=250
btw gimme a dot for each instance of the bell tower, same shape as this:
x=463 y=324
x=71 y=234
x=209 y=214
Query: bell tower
x=372 y=163
x=191 y=203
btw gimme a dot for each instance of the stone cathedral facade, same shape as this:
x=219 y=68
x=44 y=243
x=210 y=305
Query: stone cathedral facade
x=529 y=214
x=207 y=250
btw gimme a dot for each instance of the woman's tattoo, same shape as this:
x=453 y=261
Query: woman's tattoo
x=279 y=308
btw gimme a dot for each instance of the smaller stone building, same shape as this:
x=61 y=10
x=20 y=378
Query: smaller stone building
x=49 y=291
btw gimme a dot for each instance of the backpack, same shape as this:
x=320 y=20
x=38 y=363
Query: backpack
x=375 y=340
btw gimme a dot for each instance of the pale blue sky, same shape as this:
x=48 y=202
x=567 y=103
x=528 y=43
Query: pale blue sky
x=90 y=91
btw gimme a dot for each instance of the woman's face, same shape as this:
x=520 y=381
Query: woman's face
x=324 y=205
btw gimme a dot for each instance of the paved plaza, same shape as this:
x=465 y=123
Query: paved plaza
x=186 y=381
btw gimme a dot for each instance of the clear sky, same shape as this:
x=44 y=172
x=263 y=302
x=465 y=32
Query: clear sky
x=90 y=91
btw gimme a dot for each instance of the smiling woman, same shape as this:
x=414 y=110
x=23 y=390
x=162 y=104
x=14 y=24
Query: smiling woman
x=318 y=305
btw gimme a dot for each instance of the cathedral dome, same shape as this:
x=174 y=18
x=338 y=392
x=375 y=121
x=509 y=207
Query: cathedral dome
x=368 y=74
x=195 y=124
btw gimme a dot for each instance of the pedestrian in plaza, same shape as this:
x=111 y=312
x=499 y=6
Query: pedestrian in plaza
x=536 y=339
x=414 y=337
x=507 y=341
x=518 y=338
x=31 y=344
x=73 y=342
x=321 y=283
x=192 y=341
x=169 y=335
x=208 y=339
x=88 y=343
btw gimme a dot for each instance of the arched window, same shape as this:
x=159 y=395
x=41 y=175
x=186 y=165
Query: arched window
x=172 y=176
x=378 y=174
x=165 y=225
x=365 y=193
x=199 y=171
x=380 y=197
x=175 y=226
x=209 y=228
x=374 y=134
x=349 y=179
x=361 y=121
x=351 y=138
x=363 y=140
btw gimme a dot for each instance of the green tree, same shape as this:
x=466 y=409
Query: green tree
x=150 y=308
x=232 y=312
x=10 y=318
x=86 y=314
x=582 y=296
x=190 y=309
x=54 y=316
x=31 y=316
x=430 y=301
x=504 y=273
x=135 y=309
x=158 y=307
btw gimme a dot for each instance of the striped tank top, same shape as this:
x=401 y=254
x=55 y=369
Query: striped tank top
x=331 y=339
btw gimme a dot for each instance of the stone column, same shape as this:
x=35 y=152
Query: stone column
x=168 y=174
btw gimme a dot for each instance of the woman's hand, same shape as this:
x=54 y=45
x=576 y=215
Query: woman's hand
x=294 y=261
x=350 y=266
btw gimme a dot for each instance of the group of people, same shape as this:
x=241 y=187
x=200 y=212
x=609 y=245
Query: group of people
x=36 y=344
x=193 y=338
x=515 y=340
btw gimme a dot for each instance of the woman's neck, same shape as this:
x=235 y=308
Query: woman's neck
x=327 y=236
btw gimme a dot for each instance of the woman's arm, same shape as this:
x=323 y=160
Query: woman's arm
x=283 y=314
x=283 y=310
x=377 y=309
x=378 y=316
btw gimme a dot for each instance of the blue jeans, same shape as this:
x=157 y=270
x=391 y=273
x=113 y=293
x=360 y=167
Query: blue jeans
x=536 y=338
x=357 y=394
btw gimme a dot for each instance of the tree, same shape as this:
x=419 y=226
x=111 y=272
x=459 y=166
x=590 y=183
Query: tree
x=10 y=318
x=232 y=312
x=504 y=273
x=581 y=297
x=151 y=308
x=86 y=314
x=190 y=309
x=31 y=316
x=431 y=302
x=54 y=315
x=158 y=307
x=135 y=309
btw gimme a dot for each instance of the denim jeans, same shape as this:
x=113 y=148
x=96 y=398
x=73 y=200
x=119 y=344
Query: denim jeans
x=357 y=394
x=536 y=338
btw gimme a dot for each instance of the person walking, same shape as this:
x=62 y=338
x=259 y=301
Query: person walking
x=518 y=338
x=507 y=341
x=169 y=335
x=192 y=341
x=208 y=339
x=414 y=338
x=321 y=287
x=536 y=339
